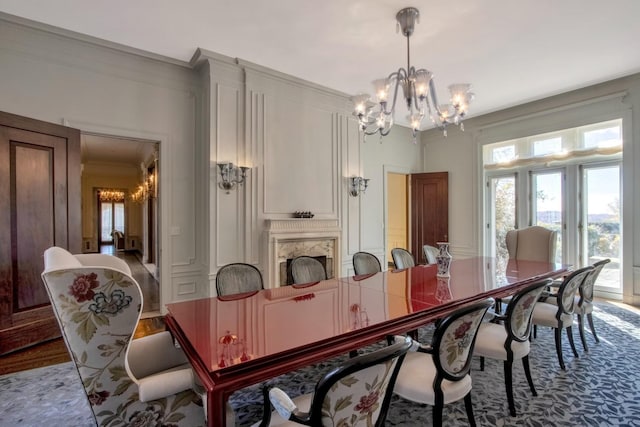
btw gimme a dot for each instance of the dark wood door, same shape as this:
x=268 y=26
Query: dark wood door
x=429 y=211
x=39 y=208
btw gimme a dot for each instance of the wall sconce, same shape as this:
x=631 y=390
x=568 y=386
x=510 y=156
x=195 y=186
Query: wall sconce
x=358 y=185
x=231 y=175
x=145 y=190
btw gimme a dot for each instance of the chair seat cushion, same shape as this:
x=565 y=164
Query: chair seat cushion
x=416 y=377
x=490 y=343
x=303 y=403
x=166 y=383
x=544 y=314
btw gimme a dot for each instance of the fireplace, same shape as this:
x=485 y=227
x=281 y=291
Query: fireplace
x=290 y=238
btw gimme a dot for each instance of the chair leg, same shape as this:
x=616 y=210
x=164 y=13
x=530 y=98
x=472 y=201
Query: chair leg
x=535 y=331
x=437 y=414
x=527 y=372
x=573 y=345
x=582 y=337
x=558 y=336
x=469 y=406
x=593 y=330
x=481 y=363
x=508 y=384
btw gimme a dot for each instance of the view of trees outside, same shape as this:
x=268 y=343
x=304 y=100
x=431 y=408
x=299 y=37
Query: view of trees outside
x=603 y=214
x=505 y=214
x=549 y=206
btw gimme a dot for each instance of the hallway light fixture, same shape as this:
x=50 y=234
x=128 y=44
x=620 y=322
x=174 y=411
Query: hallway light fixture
x=231 y=175
x=419 y=93
x=111 y=196
x=145 y=190
x=358 y=185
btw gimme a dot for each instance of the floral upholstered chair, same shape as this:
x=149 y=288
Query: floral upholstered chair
x=506 y=337
x=355 y=394
x=584 y=303
x=146 y=381
x=439 y=374
x=556 y=311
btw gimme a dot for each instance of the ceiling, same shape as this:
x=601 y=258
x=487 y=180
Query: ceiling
x=511 y=51
x=104 y=149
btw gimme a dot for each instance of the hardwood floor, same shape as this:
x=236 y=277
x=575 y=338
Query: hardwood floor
x=55 y=351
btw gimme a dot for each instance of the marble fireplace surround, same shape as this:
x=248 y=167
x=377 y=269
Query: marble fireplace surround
x=289 y=238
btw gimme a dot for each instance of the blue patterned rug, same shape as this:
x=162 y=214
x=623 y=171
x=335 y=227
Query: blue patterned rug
x=600 y=388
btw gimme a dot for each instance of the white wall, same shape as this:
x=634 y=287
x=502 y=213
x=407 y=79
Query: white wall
x=459 y=154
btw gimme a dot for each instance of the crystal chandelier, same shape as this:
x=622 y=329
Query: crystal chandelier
x=111 y=196
x=419 y=93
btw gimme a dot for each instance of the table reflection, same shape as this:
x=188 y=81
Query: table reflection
x=258 y=324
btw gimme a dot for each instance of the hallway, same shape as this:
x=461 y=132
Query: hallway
x=148 y=284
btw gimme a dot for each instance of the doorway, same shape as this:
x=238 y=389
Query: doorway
x=119 y=192
x=417 y=212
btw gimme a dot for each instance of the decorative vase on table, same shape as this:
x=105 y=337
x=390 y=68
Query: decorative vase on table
x=443 y=259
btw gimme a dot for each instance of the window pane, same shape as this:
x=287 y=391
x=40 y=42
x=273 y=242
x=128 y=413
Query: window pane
x=503 y=154
x=119 y=216
x=105 y=222
x=602 y=239
x=504 y=213
x=547 y=146
x=609 y=137
x=548 y=206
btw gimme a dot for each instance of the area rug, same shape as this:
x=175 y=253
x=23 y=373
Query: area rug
x=600 y=388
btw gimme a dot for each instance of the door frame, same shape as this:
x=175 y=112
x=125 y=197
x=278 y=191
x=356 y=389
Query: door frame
x=401 y=170
x=162 y=173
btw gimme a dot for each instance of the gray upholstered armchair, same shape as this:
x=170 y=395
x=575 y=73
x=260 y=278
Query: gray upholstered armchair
x=532 y=244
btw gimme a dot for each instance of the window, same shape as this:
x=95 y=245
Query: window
x=547 y=146
x=570 y=183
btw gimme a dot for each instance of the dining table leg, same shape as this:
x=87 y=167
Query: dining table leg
x=216 y=408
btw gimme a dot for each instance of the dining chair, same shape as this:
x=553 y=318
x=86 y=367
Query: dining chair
x=238 y=278
x=556 y=310
x=533 y=243
x=584 y=303
x=306 y=269
x=402 y=258
x=438 y=374
x=366 y=263
x=430 y=254
x=506 y=337
x=127 y=381
x=358 y=393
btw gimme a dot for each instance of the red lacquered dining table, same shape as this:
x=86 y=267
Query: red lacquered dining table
x=236 y=341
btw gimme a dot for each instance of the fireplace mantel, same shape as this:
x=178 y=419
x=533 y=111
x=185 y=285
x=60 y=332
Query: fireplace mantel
x=286 y=236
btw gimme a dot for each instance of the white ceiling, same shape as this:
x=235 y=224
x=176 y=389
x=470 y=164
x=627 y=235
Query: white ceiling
x=104 y=149
x=511 y=51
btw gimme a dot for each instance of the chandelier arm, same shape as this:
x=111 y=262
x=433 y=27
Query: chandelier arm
x=434 y=96
x=399 y=75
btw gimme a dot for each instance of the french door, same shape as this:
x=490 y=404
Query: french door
x=601 y=224
x=548 y=204
x=111 y=219
x=502 y=213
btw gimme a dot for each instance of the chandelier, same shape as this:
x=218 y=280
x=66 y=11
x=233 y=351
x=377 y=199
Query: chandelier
x=418 y=90
x=111 y=196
